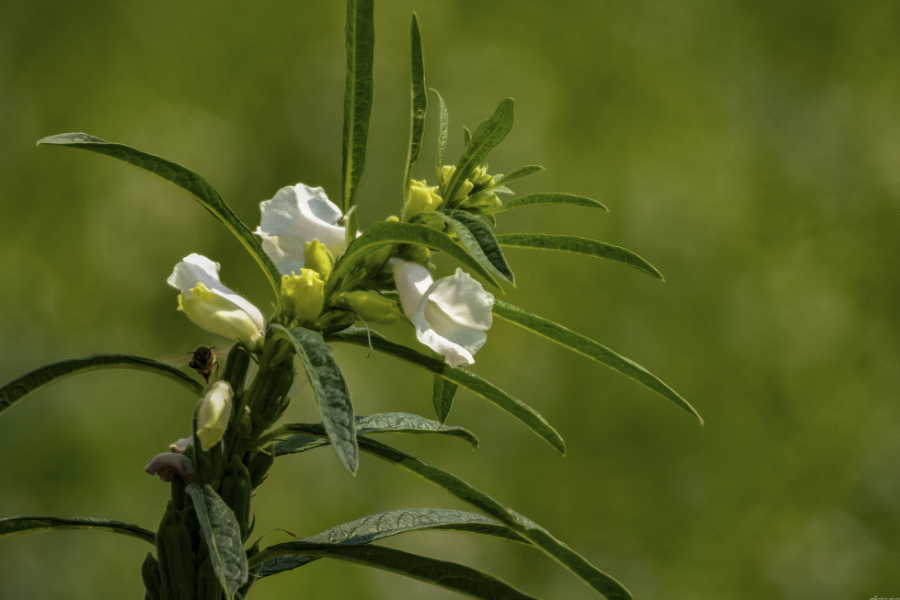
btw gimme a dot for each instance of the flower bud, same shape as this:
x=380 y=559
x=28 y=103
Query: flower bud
x=335 y=320
x=483 y=201
x=447 y=172
x=465 y=188
x=422 y=199
x=303 y=295
x=480 y=178
x=414 y=253
x=214 y=414
x=168 y=463
x=372 y=307
x=319 y=258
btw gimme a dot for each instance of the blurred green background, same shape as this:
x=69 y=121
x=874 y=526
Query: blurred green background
x=748 y=149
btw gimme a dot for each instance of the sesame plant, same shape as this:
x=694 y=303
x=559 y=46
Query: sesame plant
x=333 y=284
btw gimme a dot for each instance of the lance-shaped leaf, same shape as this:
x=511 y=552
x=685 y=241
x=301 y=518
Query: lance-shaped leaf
x=331 y=391
x=393 y=422
x=517 y=174
x=32 y=524
x=442 y=393
x=419 y=103
x=387 y=232
x=591 y=349
x=360 y=46
x=185 y=179
x=479 y=240
x=578 y=245
x=443 y=135
x=388 y=524
x=533 y=199
x=520 y=525
x=466 y=379
x=488 y=134
x=223 y=538
x=445 y=574
x=44 y=376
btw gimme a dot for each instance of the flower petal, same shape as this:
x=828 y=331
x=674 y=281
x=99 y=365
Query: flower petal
x=412 y=281
x=451 y=314
x=297 y=215
x=195 y=269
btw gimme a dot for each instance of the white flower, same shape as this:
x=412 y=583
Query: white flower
x=214 y=414
x=451 y=314
x=213 y=306
x=295 y=216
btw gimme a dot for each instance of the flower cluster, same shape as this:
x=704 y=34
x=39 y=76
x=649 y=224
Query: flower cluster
x=303 y=234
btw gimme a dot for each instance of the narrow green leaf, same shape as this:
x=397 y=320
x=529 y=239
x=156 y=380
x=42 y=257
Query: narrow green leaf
x=591 y=349
x=44 y=376
x=442 y=394
x=393 y=422
x=386 y=232
x=297 y=444
x=578 y=245
x=449 y=575
x=520 y=525
x=331 y=391
x=467 y=136
x=387 y=524
x=443 y=135
x=358 y=93
x=32 y=524
x=488 y=134
x=533 y=199
x=472 y=382
x=351 y=227
x=223 y=538
x=518 y=174
x=419 y=103
x=185 y=179
x=479 y=240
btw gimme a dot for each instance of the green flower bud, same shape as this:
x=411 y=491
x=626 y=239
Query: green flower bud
x=422 y=199
x=482 y=201
x=335 y=320
x=462 y=193
x=480 y=178
x=374 y=261
x=319 y=258
x=447 y=172
x=413 y=253
x=303 y=295
x=372 y=307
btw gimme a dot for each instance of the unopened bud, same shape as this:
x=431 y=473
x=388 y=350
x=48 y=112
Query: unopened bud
x=214 y=414
x=372 y=307
x=319 y=258
x=303 y=295
x=422 y=199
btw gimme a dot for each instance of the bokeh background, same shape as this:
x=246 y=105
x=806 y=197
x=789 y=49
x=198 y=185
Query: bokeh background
x=748 y=149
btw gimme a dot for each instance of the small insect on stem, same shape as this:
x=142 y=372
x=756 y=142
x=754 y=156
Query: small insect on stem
x=203 y=360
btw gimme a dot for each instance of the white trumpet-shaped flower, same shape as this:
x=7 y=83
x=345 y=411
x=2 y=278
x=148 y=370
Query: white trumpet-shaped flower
x=295 y=216
x=213 y=306
x=451 y=314
x=214 y=414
